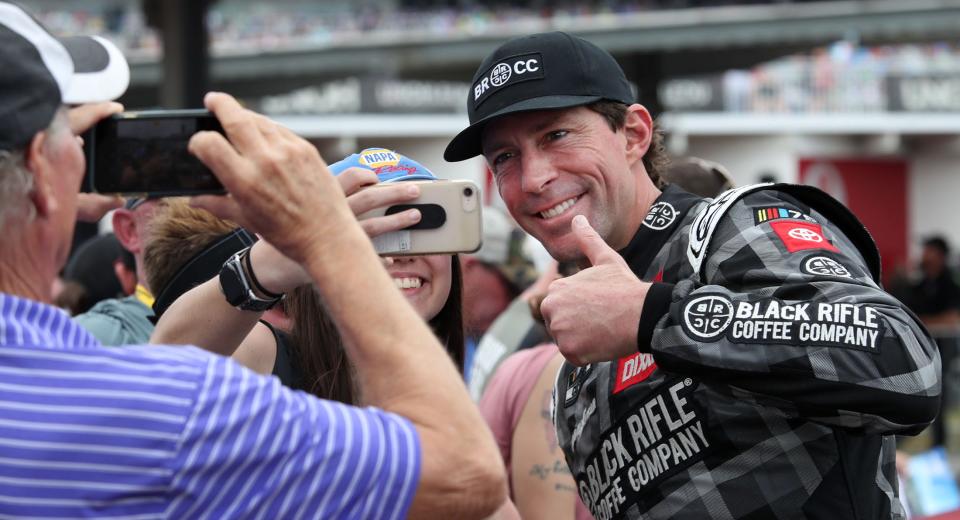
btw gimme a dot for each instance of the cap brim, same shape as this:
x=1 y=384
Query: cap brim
x=466 y=144
x=414 y=177
x=100 y=72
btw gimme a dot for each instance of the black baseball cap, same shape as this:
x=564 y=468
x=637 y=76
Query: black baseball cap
x=40 y=73
x=537 y=72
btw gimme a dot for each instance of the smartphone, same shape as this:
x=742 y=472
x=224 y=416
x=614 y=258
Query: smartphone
x=145 y=154
x=451 y=220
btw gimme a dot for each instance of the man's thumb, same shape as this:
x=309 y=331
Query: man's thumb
x=592 y=244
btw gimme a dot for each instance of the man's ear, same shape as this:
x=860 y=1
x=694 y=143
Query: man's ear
x=125 y=228
x=37 y=162
x=638 y=129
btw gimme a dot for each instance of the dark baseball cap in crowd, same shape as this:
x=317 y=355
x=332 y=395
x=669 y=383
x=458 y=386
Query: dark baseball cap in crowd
x=537 y=72
x=41 y=73
x=92 y=267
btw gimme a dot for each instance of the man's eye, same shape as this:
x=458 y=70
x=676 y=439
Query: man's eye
x=557 y=134
x=499 y=160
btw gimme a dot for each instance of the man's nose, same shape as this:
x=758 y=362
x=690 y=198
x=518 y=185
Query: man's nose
x=537 y=173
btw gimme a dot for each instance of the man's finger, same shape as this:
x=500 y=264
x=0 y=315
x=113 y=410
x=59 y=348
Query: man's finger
x=385 y=195
x=592 y=244
x=237 y=122
x=92 y=206
x=379 y=225
x=352 y=179
x=216 y=152
x=84 y=116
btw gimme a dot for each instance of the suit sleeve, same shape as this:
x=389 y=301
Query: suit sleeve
x=786 y=309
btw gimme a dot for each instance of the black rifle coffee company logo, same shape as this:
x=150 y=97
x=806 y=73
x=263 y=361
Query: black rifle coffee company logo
x=663 y=435
x=661 y=215
x=706 y=317
x=505 y=73
x=772 y=321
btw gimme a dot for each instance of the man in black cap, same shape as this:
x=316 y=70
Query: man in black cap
x=732 y=358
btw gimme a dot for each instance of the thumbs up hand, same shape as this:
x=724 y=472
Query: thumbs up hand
x=594 y=314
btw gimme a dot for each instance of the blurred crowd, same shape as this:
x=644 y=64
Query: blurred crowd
x=244 y=25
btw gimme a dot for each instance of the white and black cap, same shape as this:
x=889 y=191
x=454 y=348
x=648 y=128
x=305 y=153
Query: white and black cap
x=41 y=72
x=538 y=72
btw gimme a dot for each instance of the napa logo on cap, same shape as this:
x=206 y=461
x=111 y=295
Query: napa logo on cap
x=388 y=165
x=377 y=157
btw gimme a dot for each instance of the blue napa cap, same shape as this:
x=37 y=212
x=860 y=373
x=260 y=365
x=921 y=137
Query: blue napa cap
x=387 y=164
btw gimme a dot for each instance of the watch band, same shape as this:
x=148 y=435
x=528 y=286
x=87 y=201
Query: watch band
x=237 y=288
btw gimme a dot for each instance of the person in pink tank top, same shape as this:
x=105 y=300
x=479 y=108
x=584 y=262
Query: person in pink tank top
x=516 y=406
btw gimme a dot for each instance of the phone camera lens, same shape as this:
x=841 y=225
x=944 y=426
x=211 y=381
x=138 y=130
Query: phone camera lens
x=468 y=192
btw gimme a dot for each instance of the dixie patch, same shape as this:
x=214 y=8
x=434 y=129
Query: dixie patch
x=506 y=72
x=632 y=370
x=800 y=236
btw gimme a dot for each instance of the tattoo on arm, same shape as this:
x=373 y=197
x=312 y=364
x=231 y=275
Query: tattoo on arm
x=549 y=433
x=543 y=471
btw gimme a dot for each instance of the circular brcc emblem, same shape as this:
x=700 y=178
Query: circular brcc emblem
x=820 y=265
x=660 y=216
x=707 y=317
x=500 y=74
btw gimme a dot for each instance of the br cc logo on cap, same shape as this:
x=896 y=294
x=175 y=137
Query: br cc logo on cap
x=507 y=72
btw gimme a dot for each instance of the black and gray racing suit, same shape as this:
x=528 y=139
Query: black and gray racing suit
x=772 y=371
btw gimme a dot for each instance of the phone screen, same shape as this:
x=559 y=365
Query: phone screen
x=147 y=153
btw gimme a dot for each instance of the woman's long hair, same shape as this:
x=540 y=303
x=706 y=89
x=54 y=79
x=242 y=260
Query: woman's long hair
x=318 y=349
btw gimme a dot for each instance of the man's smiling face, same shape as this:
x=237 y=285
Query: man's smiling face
x=552 y=165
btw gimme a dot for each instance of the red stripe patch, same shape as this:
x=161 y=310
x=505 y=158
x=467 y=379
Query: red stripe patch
x=798 y=236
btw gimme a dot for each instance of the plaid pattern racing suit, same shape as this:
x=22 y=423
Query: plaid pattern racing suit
x=772 y=370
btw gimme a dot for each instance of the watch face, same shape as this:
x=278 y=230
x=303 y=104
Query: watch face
x=236 y=289
x=231 y=282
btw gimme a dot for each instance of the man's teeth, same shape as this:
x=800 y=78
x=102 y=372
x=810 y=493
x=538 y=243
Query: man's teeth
x=407 y=283
x=558 y=209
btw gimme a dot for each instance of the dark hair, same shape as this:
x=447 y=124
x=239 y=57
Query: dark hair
x=318 y=348
x=656 y=159
x=939 y=243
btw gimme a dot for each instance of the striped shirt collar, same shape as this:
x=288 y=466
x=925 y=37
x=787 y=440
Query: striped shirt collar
x=29 y=323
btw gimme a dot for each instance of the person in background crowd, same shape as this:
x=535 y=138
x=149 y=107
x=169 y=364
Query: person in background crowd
x=95 y=268
x=176 y=432
x=698 y=176
x=126 y=320
x=493 y=277
x=312 y=357
x=733 y=358
x=935 y=298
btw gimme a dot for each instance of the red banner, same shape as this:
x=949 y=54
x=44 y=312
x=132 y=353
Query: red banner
x=876 y=191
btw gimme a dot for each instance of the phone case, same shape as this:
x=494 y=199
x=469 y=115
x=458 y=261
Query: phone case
x=461 y=230
x=142 y=163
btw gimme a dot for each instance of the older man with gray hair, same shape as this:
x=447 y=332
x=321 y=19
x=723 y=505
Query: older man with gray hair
x=176 y=432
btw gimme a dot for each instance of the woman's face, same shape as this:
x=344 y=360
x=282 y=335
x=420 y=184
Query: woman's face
x=424 y=280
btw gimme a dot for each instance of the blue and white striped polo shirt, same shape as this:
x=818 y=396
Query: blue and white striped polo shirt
x=176 y=432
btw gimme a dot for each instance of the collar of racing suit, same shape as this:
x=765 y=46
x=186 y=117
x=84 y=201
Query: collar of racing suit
x=664 y=217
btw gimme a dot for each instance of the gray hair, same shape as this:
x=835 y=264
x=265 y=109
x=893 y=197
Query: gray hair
x=16 y=181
